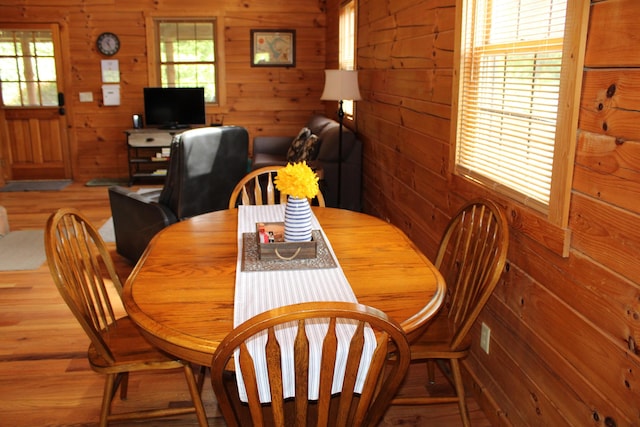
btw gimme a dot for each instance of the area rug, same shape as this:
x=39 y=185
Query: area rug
x=106 y=231
x=35 y=185
x=22 y=250
x=105 y=182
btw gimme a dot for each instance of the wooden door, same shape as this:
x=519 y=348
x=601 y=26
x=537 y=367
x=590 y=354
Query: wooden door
x=35 y=143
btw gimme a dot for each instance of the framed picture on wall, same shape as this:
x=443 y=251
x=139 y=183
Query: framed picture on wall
x=273 y=48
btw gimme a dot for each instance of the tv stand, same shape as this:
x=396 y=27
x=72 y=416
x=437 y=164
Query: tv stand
x=174 y=126
x=147 y=151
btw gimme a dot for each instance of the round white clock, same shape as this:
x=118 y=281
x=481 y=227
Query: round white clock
x=108 y=44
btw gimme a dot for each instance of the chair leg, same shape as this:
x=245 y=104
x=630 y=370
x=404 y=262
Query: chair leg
x=195 y=395
x=459 y=385
x=201 y=378
x=124 y=385
x=431 y=371
x=107 y=396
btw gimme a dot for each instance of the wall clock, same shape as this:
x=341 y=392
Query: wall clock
x=108 y=44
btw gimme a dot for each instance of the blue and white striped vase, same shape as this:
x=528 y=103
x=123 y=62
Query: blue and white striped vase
x=297 y=220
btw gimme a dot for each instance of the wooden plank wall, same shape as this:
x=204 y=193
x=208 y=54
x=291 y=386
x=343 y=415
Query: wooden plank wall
x=269 y=101
x=565 y=331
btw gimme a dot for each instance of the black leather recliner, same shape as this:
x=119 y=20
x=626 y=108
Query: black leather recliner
x=204 y=166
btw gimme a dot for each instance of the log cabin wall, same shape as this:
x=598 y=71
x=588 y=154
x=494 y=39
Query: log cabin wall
x=265 y=100
x=564 y=331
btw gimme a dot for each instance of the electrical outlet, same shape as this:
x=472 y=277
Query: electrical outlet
x=485 y=337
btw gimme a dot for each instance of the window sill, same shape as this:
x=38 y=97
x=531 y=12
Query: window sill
x=521 y=218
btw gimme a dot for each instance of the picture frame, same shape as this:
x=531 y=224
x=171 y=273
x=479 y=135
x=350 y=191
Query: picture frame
x=273 y=48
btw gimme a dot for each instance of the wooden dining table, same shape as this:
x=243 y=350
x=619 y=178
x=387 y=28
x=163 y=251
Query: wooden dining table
x=181 y=291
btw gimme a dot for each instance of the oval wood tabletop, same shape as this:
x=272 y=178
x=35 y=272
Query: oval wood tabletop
x=181 y=292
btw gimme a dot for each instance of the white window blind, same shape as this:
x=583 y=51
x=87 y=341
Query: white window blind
x=347 y=35
x=511 y=59
x=347 y=46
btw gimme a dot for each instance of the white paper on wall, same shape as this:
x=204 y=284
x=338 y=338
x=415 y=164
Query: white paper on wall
x=110 y=71
x=111 y=94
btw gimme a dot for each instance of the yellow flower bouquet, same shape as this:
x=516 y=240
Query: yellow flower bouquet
x=297 y=180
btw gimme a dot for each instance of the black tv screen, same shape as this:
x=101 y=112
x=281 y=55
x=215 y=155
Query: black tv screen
x=174 y=107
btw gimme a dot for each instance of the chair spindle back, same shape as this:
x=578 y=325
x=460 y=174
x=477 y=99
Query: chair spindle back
x=77 y=258
x=257 y=188
x=388 y=366
x=471 y=257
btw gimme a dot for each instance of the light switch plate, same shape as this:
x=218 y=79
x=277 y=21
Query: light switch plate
x=86 y=97
x=485 y=337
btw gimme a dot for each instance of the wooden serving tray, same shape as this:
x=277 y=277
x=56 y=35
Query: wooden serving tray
x=271 y=244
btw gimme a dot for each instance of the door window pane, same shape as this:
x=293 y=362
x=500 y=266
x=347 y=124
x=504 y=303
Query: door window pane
x=27 y=68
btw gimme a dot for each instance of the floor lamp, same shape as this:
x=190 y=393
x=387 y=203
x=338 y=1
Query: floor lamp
x=340 y=85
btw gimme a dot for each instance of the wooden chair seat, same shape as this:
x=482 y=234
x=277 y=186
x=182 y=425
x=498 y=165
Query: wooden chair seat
x=83 y=272
x=436 y=344
x=128 y=347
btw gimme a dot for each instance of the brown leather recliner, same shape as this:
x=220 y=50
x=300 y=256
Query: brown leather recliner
x=204 y=166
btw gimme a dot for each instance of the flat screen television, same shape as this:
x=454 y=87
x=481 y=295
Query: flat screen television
x=174 y=107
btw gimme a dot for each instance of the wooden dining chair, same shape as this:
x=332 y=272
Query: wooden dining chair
x=83 y=271
x=471 y=257
x=257 y=188
x=388 y=366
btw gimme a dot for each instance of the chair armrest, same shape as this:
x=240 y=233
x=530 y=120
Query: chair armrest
x=278 y=145
x=136 y=219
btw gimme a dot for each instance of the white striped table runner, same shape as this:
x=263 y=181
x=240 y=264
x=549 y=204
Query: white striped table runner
x=257 y=292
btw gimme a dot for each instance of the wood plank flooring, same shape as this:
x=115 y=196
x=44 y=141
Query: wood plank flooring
x=45 y=379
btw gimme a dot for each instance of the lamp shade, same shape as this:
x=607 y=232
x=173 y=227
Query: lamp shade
x=340 y=85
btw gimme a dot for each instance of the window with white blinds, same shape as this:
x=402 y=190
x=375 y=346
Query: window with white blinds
x=347 y=47
x=510 y=85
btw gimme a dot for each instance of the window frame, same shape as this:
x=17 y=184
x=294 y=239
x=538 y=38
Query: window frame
x=557 y=211
x=154 y=63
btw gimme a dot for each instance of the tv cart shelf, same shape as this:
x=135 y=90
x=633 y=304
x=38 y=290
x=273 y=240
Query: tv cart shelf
x=148 y=153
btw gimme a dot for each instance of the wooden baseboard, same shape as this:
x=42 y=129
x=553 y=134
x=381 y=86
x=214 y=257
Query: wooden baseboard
x=487 y=403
